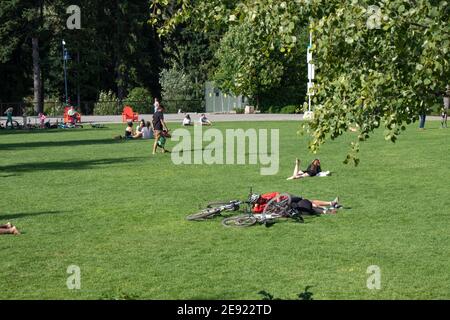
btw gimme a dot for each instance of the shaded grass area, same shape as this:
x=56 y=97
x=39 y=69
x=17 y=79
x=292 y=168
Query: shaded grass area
x=111 y=208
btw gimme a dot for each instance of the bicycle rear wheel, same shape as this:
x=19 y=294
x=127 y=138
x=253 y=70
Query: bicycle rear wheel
x=204 y=214
x=232 y=205
x=278 y=206
x=239 y=221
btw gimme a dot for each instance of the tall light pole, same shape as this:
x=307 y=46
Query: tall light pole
x=311 y=72
x=309 y=115
x=65 y=58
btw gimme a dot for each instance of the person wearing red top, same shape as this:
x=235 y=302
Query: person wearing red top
x=259 y=202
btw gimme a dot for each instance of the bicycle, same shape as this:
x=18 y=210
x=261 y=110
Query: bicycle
x=215 y=209
x=278 y=207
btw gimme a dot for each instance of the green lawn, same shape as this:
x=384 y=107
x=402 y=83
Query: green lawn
x=111 y=208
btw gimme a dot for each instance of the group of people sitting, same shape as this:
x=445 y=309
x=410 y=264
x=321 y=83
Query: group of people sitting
x=143 y=130
x=203 y=121
x=156 y=129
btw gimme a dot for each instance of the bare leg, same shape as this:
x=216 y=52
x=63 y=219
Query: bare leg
x=296 y=174
x=12 y=230
x=297 y=167
x=155 y=145
x=320 y=203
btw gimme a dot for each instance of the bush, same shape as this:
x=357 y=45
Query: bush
x=140 y=99
x=107 y=104
x=53 y=107
x=273 y=109
x=290 y=109
x=239 y=110
x=27 y=107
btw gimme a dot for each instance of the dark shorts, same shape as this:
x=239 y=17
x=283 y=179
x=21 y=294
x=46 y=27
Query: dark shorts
x=302 y=205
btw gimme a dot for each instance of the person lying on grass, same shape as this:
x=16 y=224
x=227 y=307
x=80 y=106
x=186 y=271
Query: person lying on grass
x=313 y=170
x=9 y=229
x=298 y=203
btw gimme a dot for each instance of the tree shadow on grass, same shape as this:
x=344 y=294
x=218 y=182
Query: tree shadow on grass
x=65 y=165
x=7 y=175
x=305 y=295
x=5 y=132
x=68 y=143
x=29 y=214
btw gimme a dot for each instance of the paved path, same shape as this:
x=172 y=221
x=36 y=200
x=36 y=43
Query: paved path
x=195 y=117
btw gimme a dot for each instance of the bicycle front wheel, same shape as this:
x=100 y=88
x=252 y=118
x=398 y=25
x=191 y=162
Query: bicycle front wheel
x=204 y=214
x=239 y=221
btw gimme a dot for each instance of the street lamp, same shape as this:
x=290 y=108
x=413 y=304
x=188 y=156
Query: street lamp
x=66 y=57
x=309 y=115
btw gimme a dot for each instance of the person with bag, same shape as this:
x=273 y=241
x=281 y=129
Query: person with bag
x=159 y=125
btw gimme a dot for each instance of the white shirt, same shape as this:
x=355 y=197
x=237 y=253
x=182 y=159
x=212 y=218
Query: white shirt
x=146 y=133
x=186 y=121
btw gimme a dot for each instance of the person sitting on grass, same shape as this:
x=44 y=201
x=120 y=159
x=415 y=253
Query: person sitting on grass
x=42 y=118
x=147 y=131
x=204 y=120
x=73 y=115
x=139 y=128
x=129 y=133
x=9 y=229
x=187 y=120
x=313 y=170
x=298 y=203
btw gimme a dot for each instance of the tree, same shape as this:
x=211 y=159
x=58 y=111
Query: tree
x=376 y=65
x=253 y=60
x=192 y=53
x=176 y=89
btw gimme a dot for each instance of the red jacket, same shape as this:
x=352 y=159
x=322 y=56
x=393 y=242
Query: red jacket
x=262 y=202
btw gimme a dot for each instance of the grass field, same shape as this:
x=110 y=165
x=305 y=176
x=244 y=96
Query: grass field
x=110 y=207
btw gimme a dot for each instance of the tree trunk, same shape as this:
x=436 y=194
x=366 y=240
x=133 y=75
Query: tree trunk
x=37 y=82
x=78 y=81
x=119 y=40
x=120 y=80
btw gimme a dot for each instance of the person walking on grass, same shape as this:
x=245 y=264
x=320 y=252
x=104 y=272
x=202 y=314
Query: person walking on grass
x=159 y=125
x=156 y=105
x=9 y=119
x=9 y=229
